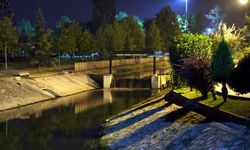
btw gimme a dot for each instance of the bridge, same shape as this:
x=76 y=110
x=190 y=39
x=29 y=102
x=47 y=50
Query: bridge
x=157 y=81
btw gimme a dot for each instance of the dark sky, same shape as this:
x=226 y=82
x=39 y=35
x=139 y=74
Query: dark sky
x=82 y=9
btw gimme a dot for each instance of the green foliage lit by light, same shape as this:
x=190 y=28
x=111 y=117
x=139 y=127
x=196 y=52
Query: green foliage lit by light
x=121 y=16
x=26 y=29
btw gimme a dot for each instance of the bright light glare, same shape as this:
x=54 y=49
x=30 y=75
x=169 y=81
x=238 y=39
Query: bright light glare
x=243 y=2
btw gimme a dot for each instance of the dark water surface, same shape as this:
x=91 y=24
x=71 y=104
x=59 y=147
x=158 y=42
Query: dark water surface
x=68 y=123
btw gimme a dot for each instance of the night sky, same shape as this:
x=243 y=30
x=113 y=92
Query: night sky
x=82 y=9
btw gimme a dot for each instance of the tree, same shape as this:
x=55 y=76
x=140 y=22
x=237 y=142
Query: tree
x=26 y=29
x=215 y=17
x=103 y=12
x=192 y=47
x=86 y=44
x=195 y=70
x=64 y=21
x=239 y=80
x=135 y=37
x=27 y=34
x=169 y=27
x=42 y=42
x=222 y=65
x=100 y=42
x=43 y=51
x=234 y=37
x=9 y=35
x=153 y=38
x=40 y=23
x=64 y=42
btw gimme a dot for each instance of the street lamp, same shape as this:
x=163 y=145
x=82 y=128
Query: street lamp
x=186 y=15
x=243 y=2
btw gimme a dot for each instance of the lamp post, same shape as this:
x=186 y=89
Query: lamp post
x=243 y=2
x=186 y=15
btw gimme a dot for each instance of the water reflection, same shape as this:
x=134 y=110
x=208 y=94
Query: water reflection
x=73 y=122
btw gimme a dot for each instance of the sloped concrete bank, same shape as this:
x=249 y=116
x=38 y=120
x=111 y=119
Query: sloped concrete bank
x=16 y=92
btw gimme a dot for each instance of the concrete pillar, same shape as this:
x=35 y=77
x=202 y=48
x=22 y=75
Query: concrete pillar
x=107 y=80
x=154 y=81
x=158 y=80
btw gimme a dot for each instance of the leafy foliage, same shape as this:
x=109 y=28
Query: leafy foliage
x=26 y=29
x=239 y=80
x=169 y=27
x=195 y=71
x=9 y=37
x=222 y=63
x=153 y=38
x=185 y=46
x=232 y=36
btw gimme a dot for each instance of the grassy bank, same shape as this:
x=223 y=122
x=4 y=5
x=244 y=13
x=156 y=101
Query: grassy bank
x=236 y=106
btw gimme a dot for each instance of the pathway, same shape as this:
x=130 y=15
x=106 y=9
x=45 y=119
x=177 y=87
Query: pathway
x=167 y=126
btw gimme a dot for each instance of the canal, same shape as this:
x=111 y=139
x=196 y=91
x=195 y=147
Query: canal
x=73 y=122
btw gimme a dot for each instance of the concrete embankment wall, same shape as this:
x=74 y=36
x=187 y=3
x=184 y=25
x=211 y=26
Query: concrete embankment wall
x=15 y=92
x=85 y=66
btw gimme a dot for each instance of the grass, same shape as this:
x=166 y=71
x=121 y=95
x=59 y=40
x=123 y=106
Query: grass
x=237 y=106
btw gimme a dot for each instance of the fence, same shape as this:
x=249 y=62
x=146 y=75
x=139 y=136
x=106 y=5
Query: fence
x=86 y=66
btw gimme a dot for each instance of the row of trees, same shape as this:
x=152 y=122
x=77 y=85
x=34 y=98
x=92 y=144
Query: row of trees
x=39 y=44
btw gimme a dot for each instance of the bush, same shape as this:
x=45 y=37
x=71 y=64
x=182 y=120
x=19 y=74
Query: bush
x=222 y=63
x=185 y=46
x=195 y=71
x=239 y=80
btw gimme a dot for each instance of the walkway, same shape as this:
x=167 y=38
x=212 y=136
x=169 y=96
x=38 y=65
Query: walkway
x=167 y=126
x=231 y=92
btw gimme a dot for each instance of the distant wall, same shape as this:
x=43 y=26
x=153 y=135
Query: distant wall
x=85 y=66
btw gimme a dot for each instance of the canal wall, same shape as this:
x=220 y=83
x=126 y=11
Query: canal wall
x=16 y=91
x=100 y=65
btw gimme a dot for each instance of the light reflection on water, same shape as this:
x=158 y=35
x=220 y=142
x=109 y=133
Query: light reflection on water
x=73 y=122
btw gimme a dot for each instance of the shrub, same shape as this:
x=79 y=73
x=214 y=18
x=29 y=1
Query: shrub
x=222 y=66
x=239 y=80
x=195 y=71
x=185 y=46
x=222 y=63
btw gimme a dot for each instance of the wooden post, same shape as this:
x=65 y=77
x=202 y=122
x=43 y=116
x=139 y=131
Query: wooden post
x=110 y=63
x=154 y=65
x=6 y=56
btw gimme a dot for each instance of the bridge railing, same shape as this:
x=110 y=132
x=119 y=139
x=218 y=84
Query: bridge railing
x=95 y=65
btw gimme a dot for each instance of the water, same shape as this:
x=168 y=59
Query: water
x=73 y=122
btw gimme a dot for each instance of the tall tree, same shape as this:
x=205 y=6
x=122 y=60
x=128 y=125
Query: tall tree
x=169 y=27
x=63 y=22
x=103 y=12
x=27 y=34
x=43 y=41
x=26 y=29
x=64 y=42
x=222 y=66
x=215 y=17
x=8 y=37
x=153 y=38
x=86 y=44
x=40 y=23
x=135 y=38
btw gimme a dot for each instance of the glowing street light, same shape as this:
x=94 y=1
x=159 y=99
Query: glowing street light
x=186 y=14
x=243 y=2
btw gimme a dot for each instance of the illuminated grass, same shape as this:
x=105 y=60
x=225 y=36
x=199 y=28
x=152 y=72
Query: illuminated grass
x=236 y=106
